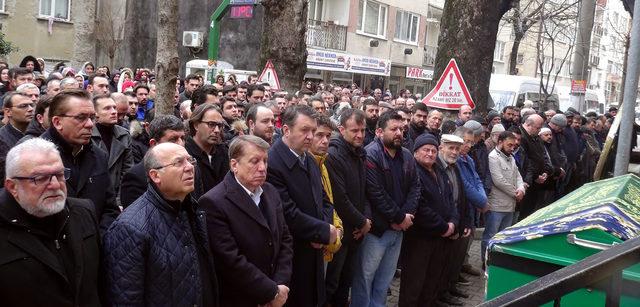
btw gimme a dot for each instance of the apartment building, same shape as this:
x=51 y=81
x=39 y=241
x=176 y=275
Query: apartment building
x=388 y=44
x=606 y=55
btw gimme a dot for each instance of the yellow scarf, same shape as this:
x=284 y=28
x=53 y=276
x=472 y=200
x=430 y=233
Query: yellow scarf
x=330 y=249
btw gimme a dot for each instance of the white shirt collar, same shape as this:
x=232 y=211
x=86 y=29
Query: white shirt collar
x=255 y=196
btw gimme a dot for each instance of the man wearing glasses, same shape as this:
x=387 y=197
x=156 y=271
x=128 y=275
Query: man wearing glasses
x=156 y=252
x=72 y=116
x=18 y=108
x=206 y=126
x=45 y=233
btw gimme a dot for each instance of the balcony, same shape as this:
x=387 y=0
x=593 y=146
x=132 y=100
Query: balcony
x=326 y=34
x=429 y=56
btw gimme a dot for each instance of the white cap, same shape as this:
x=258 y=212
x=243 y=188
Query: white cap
x=450 y=138
x=544 y=130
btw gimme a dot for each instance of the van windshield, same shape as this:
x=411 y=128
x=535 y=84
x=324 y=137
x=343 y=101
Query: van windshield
x=502 y=99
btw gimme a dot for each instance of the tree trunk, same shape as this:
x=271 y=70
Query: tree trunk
x=468 y=33
x=284 y=42
x=513 y=59
x=167 y=60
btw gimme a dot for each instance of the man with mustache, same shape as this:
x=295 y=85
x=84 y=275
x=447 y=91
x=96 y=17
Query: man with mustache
x=261 y=122
x=393 y=191
x=72 y=117
x=371 y=112
x=45 y=233
x=156 y=252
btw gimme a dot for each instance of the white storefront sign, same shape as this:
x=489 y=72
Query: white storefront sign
x=337 y=61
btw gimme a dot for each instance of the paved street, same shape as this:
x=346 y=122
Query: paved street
x=475 y=290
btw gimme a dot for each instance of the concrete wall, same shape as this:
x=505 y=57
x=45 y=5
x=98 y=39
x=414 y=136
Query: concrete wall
x=71 y=41
x=239 y=41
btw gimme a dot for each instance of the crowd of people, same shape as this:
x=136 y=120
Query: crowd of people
x=247 y=196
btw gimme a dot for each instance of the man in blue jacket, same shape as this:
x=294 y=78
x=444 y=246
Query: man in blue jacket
x=393 y=190
x=474 y=187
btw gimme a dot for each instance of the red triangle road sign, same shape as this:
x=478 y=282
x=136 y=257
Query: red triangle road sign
x=270 y=76
x=450 y=92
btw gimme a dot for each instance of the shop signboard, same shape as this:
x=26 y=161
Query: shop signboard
x=419 y=73
x=337 y=61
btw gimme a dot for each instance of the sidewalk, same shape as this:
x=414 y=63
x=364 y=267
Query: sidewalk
x=476 y=290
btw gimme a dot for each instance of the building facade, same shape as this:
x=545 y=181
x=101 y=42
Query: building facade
x=386 y=44
x=55 y=30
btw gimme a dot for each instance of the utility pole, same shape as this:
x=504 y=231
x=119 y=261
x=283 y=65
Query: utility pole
x=629 y=101
x=580 y=69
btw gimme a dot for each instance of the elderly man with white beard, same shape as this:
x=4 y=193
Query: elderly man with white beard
x=43 y=232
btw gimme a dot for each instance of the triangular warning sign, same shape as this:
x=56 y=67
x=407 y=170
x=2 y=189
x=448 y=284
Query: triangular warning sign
x=270 y=76
x=450 y=92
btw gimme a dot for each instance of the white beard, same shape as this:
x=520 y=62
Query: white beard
x=45 y=209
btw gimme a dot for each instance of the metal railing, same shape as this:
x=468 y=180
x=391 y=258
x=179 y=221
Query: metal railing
x=429 y=56
x=326 y=34
x=604 y=268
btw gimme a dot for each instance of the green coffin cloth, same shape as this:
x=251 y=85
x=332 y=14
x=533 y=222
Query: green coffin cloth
x=612 y=205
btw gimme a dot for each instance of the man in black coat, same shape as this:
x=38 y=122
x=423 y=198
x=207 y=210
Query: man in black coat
x=436 y=219
x=156 y=252
x=50 y=243
x=72 y=116
x=306 y=207
x=346 y=166
x=206 y=144
x=536 y=170
x=250 y=240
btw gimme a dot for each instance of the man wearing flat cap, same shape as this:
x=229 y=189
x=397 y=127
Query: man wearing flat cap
x=449 y=152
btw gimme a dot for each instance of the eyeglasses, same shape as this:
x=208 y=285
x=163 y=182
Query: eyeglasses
x=213 y=125
x=25 y=106
x=43 y=180
x=180 y=162
x=81 y=117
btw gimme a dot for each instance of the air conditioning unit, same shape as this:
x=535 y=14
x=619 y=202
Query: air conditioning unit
x=192 y=39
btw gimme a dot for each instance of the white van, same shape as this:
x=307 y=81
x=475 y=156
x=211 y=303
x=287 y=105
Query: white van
x=508 y=90
x=201 y=67
x=594 y=100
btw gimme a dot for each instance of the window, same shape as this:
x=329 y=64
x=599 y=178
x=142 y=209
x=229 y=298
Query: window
x=407 y=27
x=372 y=18
x=59 y=9
x=520 y=59
x=498 y=53
x=315 y=9
x=2 y=6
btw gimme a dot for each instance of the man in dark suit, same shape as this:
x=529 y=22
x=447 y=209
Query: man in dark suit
x=252 y=245
x=306 y=207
